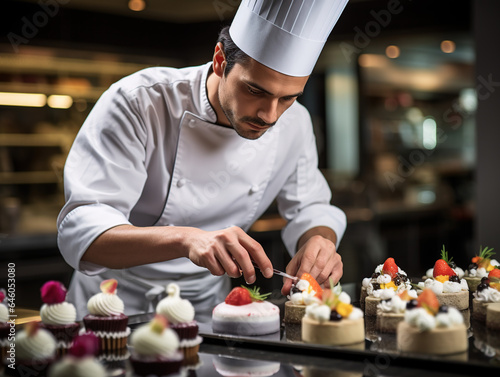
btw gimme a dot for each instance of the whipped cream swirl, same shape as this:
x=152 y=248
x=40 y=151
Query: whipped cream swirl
x=105 y=304
x=41 y=345
x=174 y=308
x=487 y=295
x=63 y=313
x=306 y=296
x=147 y=342
x=446 y=287
x=77 y=367
x=424 y=321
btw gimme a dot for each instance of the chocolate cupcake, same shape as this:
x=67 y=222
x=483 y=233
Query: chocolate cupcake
x=106 y=318
x=35 y=351
x=155 y=349
x=58 y=316
x=180 y=315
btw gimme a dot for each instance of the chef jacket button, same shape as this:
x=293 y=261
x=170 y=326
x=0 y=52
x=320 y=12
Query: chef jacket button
x=254 y=189
x=181 y=182
x=192 y=123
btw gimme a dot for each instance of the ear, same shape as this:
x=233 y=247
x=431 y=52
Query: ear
x=219 y=60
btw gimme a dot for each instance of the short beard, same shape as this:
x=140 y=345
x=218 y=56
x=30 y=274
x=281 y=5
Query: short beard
x=251 y=135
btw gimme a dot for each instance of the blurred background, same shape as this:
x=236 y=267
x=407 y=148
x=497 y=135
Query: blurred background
x=394 y=102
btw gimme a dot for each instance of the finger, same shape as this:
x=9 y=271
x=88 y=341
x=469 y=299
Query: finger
x=213 y=265
x=242 y=259
x=257 y=254
x=291 y=269
x=337 y=269
x=287 y=286
x=324 y=277
x=231 y=267
x=307 y=261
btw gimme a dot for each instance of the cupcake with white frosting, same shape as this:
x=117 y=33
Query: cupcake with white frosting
x=58 y=316
x=180 y=315
x=106 y=318
x=80 y=360
x=155 y=349
x=35 y=351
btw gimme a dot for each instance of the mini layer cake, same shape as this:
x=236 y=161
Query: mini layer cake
x=333 y=322
x=305 y=292
x=480 y=267
x=391 y=312
x=488 y=292
x=493 y=316
x=384 y=285
x=432 y=329
x=244 y=312
x=449 y=288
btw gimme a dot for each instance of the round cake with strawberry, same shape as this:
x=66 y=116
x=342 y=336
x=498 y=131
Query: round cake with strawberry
x=305 y=292
x=387 y=281
x=245 y=312
x=431 y=328
x=333 y=321
x=487 y=293
x=446 y=284
x=480 y=267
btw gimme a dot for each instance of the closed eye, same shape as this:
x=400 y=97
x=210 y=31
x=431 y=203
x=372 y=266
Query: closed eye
x=254 y=91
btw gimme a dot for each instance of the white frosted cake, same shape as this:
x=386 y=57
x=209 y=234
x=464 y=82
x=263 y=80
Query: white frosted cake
x=245 y=314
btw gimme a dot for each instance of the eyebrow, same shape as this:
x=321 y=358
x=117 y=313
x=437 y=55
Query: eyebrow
x=257 y=86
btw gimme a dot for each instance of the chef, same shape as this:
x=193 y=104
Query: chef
x=173 y=166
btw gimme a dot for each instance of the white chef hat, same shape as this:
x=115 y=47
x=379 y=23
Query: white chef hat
x=285 y=35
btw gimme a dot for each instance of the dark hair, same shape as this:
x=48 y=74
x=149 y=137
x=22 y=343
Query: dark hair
x=231 y=51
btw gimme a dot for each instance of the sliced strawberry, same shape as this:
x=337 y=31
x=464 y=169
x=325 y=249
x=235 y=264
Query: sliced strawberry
x=238 y=296
x=442 y=268
x=390 y=268
x=313 y=283
x=428 y=300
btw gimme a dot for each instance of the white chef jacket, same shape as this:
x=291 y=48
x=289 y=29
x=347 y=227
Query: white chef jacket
x=150 y=153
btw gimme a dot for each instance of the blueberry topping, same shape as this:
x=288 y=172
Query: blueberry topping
x=452 y=264
x=443 y=309
x=482 y=286
x=485 y=280
x=472 y=266
x=334 y=316
x=411 y=304
x=375 y=275
x=455 y=279
x=295 y=289
x=376 y=286
x=397 y=280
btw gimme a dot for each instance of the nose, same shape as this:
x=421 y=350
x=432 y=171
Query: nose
x=268 y=112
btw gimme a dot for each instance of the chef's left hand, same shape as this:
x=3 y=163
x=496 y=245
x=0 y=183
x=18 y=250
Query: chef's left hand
x=318 y=257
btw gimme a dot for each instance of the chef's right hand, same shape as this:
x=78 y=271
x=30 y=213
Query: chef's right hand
x=228 y=250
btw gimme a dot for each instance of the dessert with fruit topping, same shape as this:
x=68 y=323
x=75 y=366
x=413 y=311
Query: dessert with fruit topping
x=80 y=360
x=35 y=351
x=431 y=328
x=245 y=312
x=480 y=267
x=487 y=292
x=58 y=316
x=447 y=285
x=391 y=312
x=387 y=280
x=334 y=321
x=180 y=315
x=305 y=292
x=106 y=318
x=155 y=349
